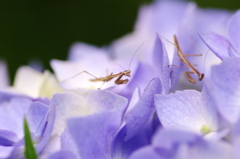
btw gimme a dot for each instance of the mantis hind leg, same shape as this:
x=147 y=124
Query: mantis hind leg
x=101 y=85
x=189 y=77
x=177 y=66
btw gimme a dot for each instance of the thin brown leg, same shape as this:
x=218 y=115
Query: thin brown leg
x=101 y=85
x=178 y=66
x=192 y=54
x=189 y=77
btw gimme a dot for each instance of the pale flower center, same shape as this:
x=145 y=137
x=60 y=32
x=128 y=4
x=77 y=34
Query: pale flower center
x=205 y=129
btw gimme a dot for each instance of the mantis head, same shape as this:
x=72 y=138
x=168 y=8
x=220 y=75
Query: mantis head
x=127 y=73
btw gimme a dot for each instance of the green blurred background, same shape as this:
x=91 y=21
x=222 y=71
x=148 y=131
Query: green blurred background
x=46 y=29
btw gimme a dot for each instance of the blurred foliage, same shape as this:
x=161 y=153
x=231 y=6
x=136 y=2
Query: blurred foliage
x=29 y=152
x=46 y=29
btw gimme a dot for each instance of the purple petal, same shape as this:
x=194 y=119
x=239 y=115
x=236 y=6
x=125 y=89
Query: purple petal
x=216 y=43
x=225 y=80
x=62 y=155
x=161 y=62
x=185 y=110
x=134 y=100
x=7 y=96
x=94 y=134
x=188 y=145
x=35 y=117
x=49 y=122
x=150 y=17
x=233 y=30
x=67 y=105
x=68 y=144
x=17 y=149
x=138 y=128
x=235 y=138
x=143 y=110
x=53 y=145
x=5 y=151
x=231 y=52
x=167 y=138
x=12 y=114
x=146 y=152
x=209 y=109
x=7 y=138
x=122 y=149
x=101 y=100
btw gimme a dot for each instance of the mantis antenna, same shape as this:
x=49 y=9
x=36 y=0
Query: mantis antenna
x=135 y=54
x=205 y=61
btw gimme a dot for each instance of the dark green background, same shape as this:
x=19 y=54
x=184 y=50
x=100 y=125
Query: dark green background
x=46 y=29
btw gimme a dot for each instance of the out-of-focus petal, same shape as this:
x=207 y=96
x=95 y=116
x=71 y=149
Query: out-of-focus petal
x=53 y=146
x=68 y=143
x=225 y=80
x=67 y=105
x=5 y=151
x=35 y=84
x=231 y=52
x=49 y=86
x=7 y=138
x=46 y=134
x=216 y=43
x=195 y=146
x=62 y=155
x=35 y=117
x=233 y=30
x=12 y=114
x=146 y=152
x=151 y=17
x=28 y=81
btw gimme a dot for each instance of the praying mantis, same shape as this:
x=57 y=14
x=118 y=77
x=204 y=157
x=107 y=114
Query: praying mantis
x=186 y=62
x=107 y=78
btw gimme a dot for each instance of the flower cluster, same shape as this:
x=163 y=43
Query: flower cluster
x=80 y=113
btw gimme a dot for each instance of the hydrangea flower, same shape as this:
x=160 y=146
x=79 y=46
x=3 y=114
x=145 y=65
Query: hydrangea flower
x=178 y=144
x=13 y=108
x=108 y=115
x=77 y=120
x=174 y=17
x=224 y=44
x=141 y=73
